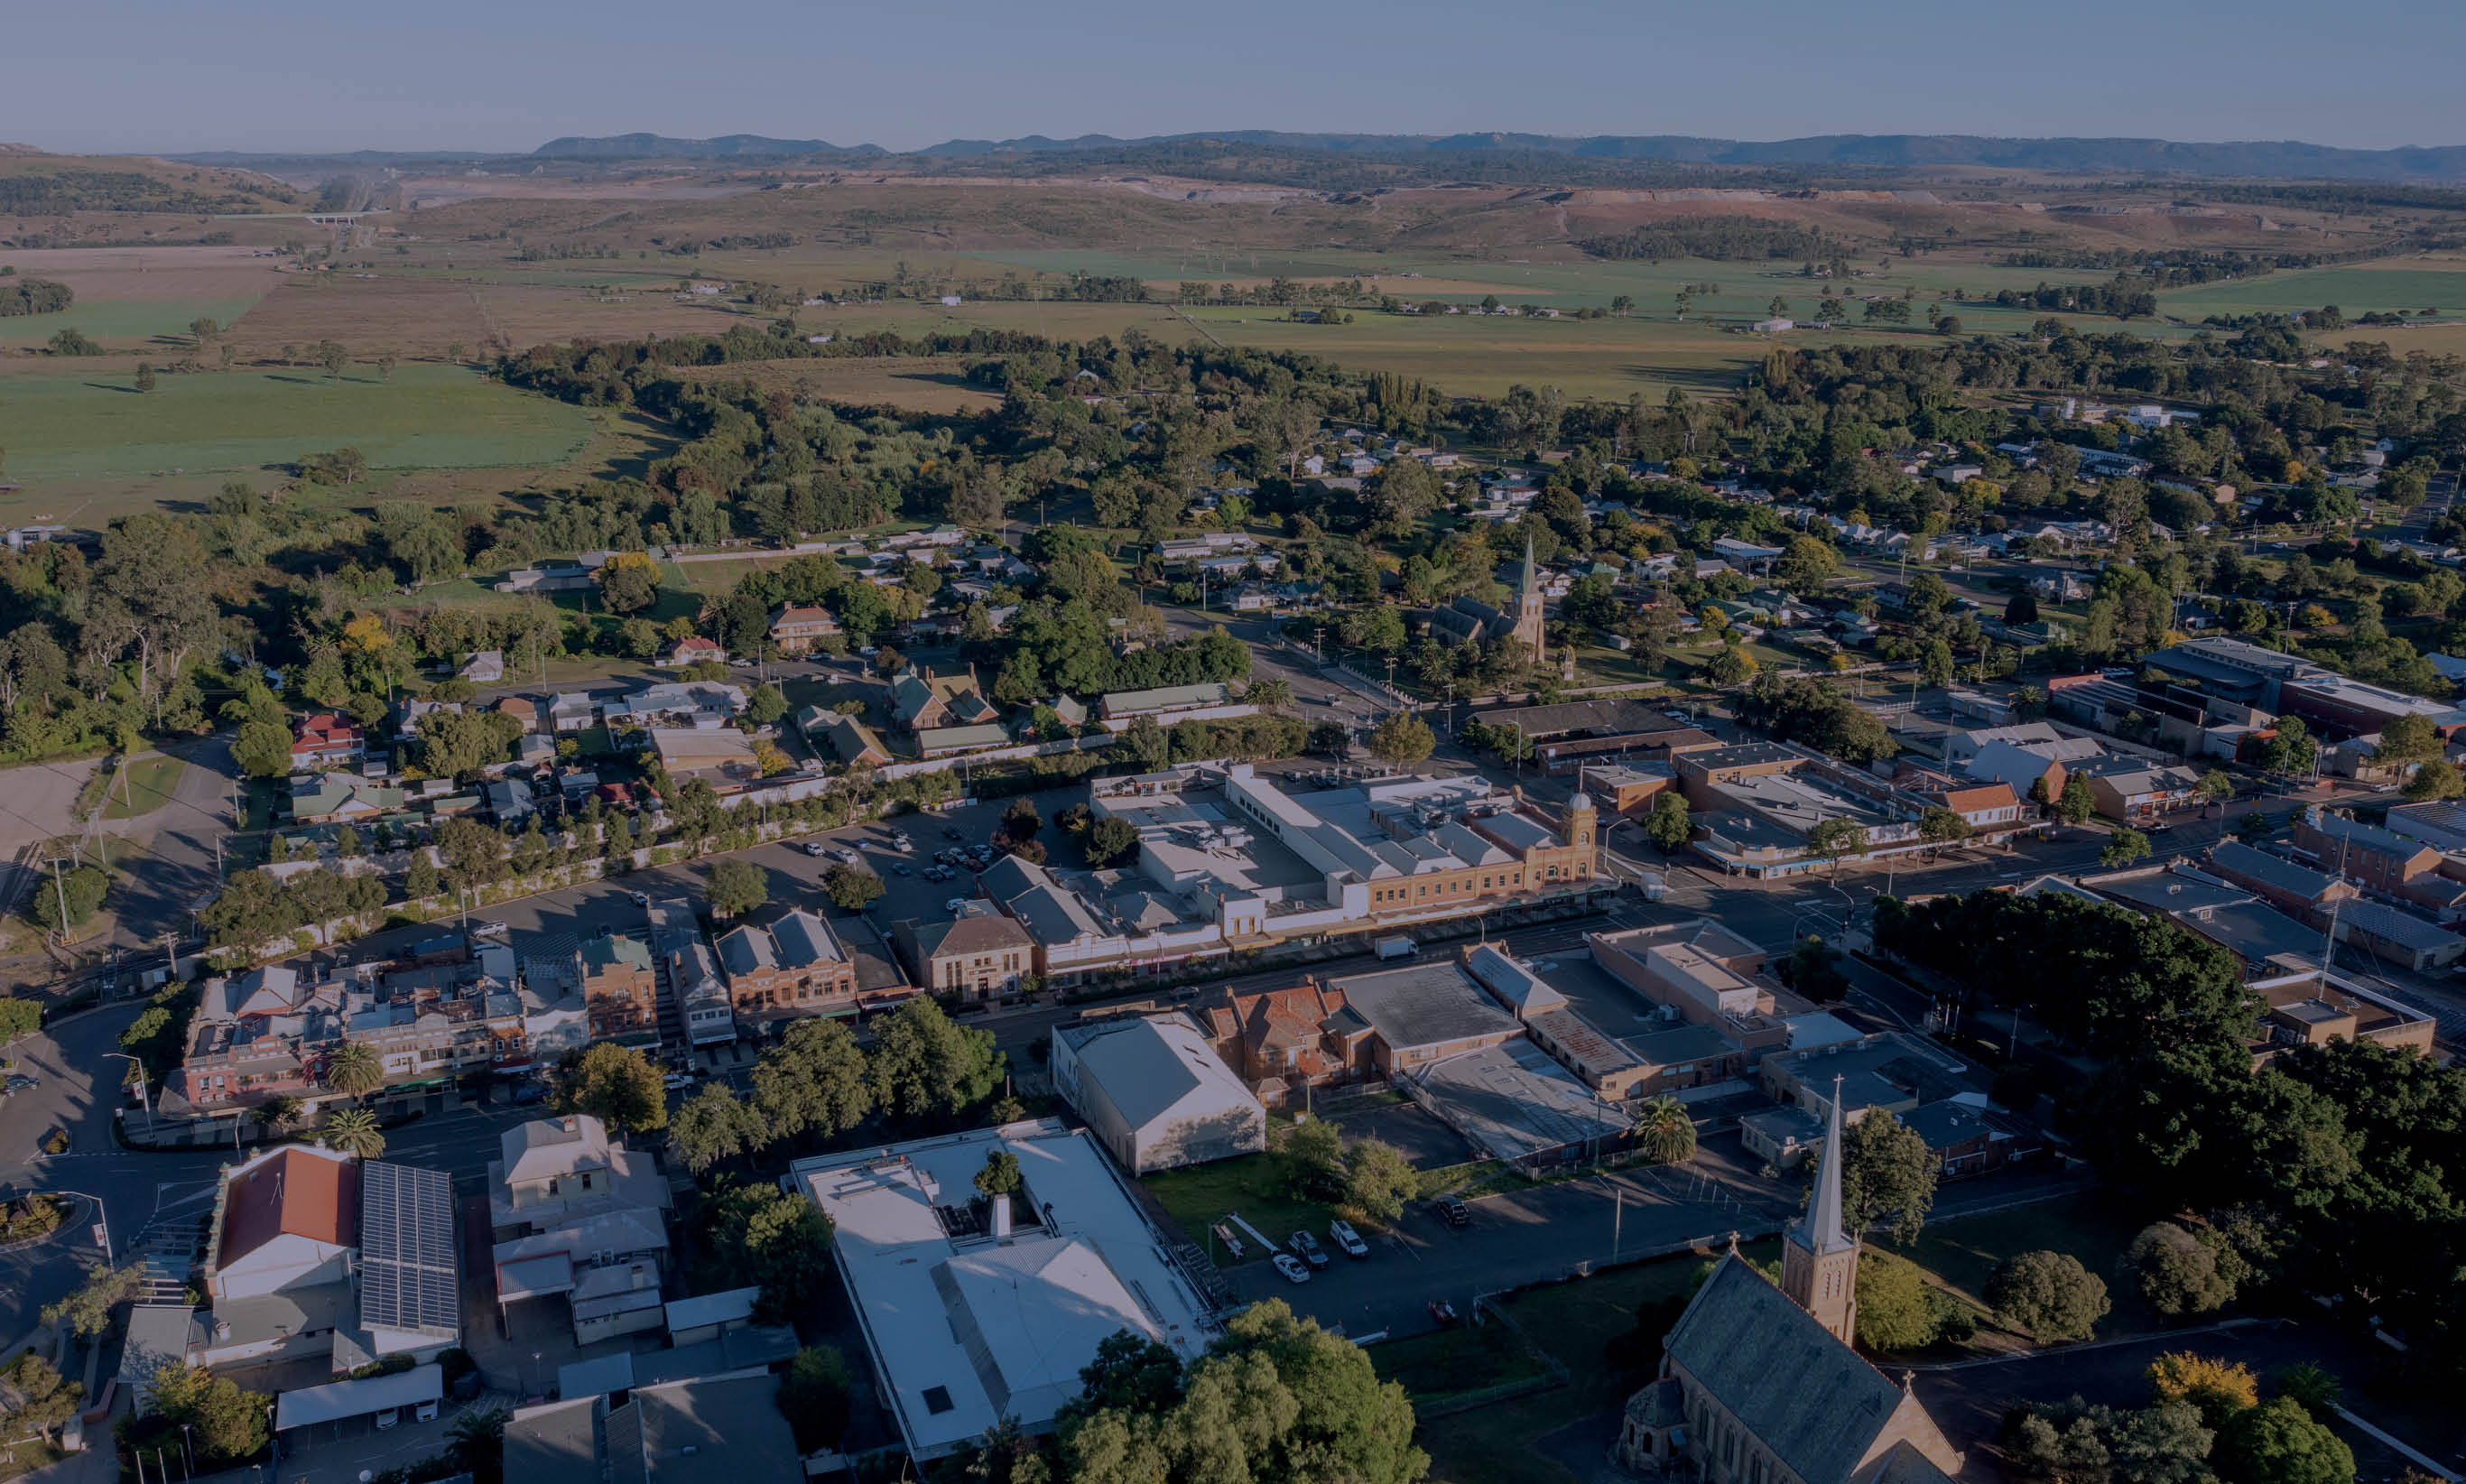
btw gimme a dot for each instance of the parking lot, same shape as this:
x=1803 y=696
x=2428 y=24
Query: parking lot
x=1540 y=1232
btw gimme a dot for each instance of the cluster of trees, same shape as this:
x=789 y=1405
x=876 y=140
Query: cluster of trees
x=2205 y=1419
x=210 y=1416
x=818 y=1087
x=1815 y=713
x=1722 y=238
x=256 y=906
x=2329 y=1160
x=2124 y=297
x=31 y=296
x=1275 y=1399
x=1368 y=1179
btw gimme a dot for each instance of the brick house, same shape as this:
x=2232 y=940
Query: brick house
x=694 y=649
x=325 y=740
x=796 y=629
x=794 y=967
x=978 y=954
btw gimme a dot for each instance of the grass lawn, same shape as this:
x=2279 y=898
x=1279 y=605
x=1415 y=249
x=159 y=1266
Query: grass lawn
x=427 y=417
x=1963 y=1254
x=145 y=786
x=1203 y=1195
x=1574 y=1321
x=1449 y=1362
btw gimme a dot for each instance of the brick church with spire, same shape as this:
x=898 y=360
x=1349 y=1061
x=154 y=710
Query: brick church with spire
x=1759 y=1383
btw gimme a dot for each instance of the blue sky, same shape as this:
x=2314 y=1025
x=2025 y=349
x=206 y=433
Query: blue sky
x=157 y=77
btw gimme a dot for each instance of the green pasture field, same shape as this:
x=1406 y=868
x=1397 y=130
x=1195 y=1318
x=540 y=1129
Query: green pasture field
x=2354 y=290
x=69 y=427
x=122 y=320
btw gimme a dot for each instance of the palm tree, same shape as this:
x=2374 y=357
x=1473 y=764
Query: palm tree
x=1665 y=1132
x=354 y=1131
x=1272 y=694
x=354 y=1069
x=281 y=1113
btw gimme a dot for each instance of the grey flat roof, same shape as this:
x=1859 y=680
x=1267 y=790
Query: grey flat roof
x=2404 y=929
x=1513 y=1101
x=1424 y=1004
x=556 y=1444
x=2234 y=855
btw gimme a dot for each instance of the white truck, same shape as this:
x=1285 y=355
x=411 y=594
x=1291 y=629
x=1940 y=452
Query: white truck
x=1392 y=948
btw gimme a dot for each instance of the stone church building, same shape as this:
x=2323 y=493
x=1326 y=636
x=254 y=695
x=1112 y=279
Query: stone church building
x=1759 y=1383
x=1467 y=619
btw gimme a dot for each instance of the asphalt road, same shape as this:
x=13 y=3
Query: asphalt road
x=81 y=1092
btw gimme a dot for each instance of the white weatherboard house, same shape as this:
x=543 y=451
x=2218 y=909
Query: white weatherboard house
x=1155 y=1094
x=974 y=1309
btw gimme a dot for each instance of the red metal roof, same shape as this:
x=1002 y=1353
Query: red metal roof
x=297 y=1193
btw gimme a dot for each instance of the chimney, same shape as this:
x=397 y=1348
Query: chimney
x=1001 y=1218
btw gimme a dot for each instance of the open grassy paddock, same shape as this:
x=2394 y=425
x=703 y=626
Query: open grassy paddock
x=2393 y=284
x=69 y=427
x=935 y=384
x=141 y=298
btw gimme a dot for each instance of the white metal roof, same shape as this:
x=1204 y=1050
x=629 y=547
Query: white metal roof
x=341 y=1398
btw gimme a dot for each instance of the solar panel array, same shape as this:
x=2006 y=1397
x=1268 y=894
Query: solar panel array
x=407 y=1270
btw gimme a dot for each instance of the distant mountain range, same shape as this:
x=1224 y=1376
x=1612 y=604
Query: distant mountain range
x=658 y=146
x=2276 y=160
x=1887 y=152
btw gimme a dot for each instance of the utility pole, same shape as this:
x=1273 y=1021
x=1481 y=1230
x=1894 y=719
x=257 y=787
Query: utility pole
x=60 y=894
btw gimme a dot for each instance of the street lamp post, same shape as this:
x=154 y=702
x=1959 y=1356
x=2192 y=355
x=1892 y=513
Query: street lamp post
x=102 y=1219
x=144 y=1101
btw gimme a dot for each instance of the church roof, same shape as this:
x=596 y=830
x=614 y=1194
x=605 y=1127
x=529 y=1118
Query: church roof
x=1804 y=1394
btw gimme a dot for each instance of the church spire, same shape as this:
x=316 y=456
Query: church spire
x=1524 y=581
x=1819 y=1258
x=1820 y=1230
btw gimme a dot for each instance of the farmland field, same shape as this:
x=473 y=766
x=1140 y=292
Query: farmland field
x=924 y=384
x=68 y=427
x=113 y=321
x=138 y=294
x=2354 y=290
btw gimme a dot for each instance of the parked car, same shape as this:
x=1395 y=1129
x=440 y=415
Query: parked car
x=19 y=1082
x=1454 y=1212
x=902 y=868
x=676 y=1080
x=1443 y=1313
x=954 y=906
x=641 y=898
x=1307 y=1246
x=1342 y=1234
x=814 y=848
x=391 y=1416
x=1292 y=1268
x=498 y=928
